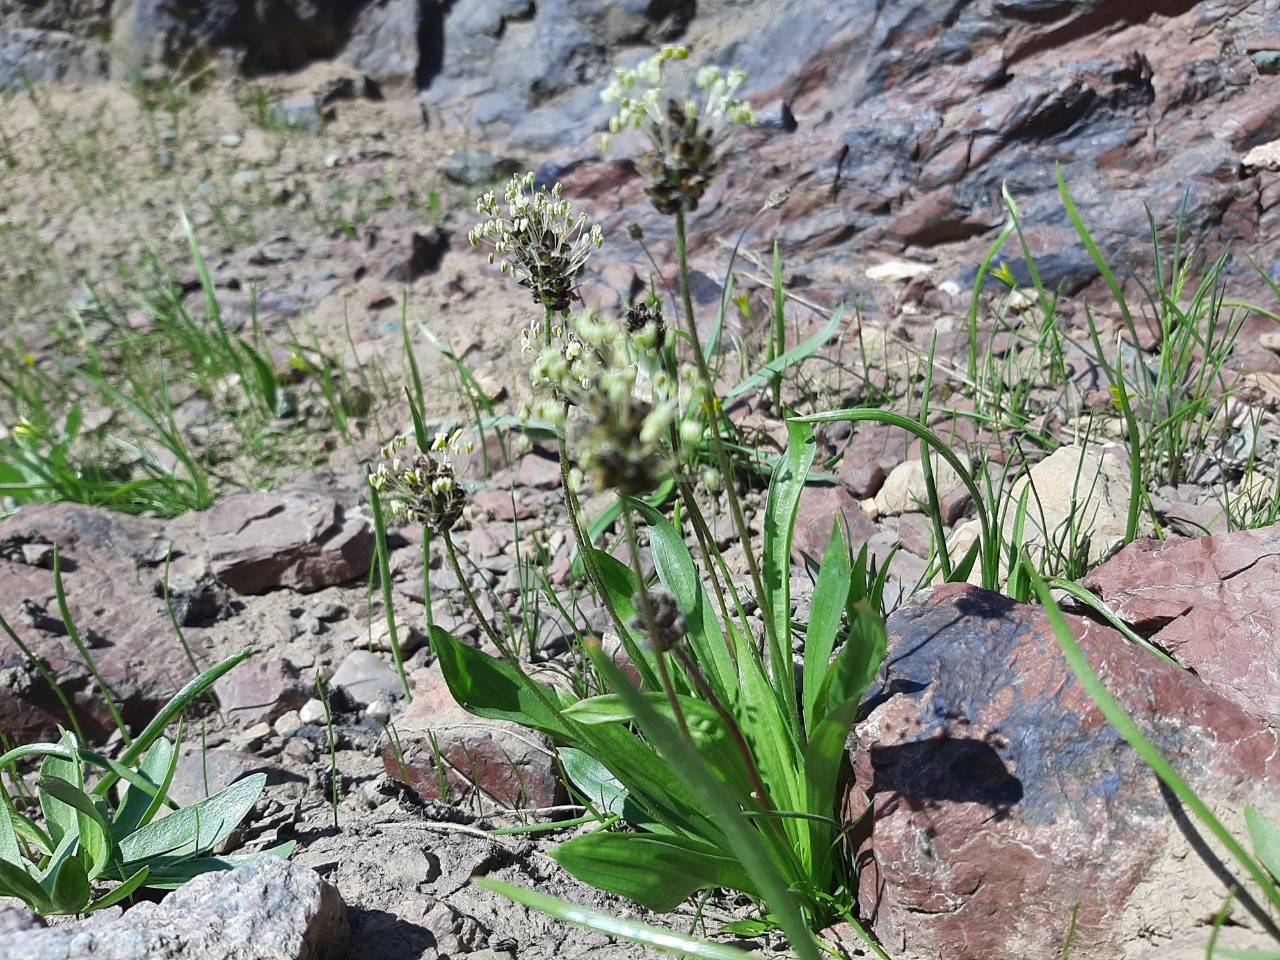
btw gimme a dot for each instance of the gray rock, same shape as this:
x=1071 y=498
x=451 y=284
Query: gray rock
x=201 y=773
x=263 y=35
x=43 y=56
x=268 y=909
x=501 y=59
x=366 y=677
x=387 y=39
x=473 y=168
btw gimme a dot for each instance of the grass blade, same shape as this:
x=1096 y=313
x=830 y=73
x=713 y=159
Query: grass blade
x=633 y=930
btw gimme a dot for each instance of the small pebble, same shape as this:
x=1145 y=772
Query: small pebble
x=328 y=611
x=312 y=712
x=288 y=724
x=301 y=750
x=255 y=735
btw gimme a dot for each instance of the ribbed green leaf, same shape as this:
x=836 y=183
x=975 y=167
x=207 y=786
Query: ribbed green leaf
x=69 y=891
x=95 y=845
x=679 y=575
x=494 y=689
x=139 y=807
x=1265 y=838
x=759 y=852
x=59 y=817
x=122 y=891
x=779 y=525
x=620 y=584
x=194 y=830
x=660 y=872
x=10 y=852
x=169 y=873
x=826 y=611
x=16 y=882
x=707 y=730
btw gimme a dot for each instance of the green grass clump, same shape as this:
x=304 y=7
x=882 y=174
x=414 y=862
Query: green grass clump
x=87 y=837
x=147 y=451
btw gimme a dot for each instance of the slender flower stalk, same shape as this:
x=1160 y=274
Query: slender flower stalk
x=688 y=136
x=490 y=632
x=713 y=416
x=663 y=640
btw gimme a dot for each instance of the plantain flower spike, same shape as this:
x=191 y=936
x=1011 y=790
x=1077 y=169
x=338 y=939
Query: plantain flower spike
x=540 y=241
x=617 y=417
x=687 y=135
x=422 y=488
x=669 y=624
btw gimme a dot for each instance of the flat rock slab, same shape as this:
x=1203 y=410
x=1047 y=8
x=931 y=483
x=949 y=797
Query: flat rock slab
x=1213 y=603
x=1001 y=798
x=268 y=909
x=111 y=565
x=113 y=569
x=261 y=541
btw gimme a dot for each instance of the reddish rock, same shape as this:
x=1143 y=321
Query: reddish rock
x=862 y=479
x=1212 y=603
x=915 y=533
x=261 y=541
x=1001 y=798
x=938 y=217
x=502 y=504
x=819 y=509
x=111 y=567
x=504 y=762
x=261 y=691
x=538 y=470
x=486 y=542
x=872 y=453
x=955 y=504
